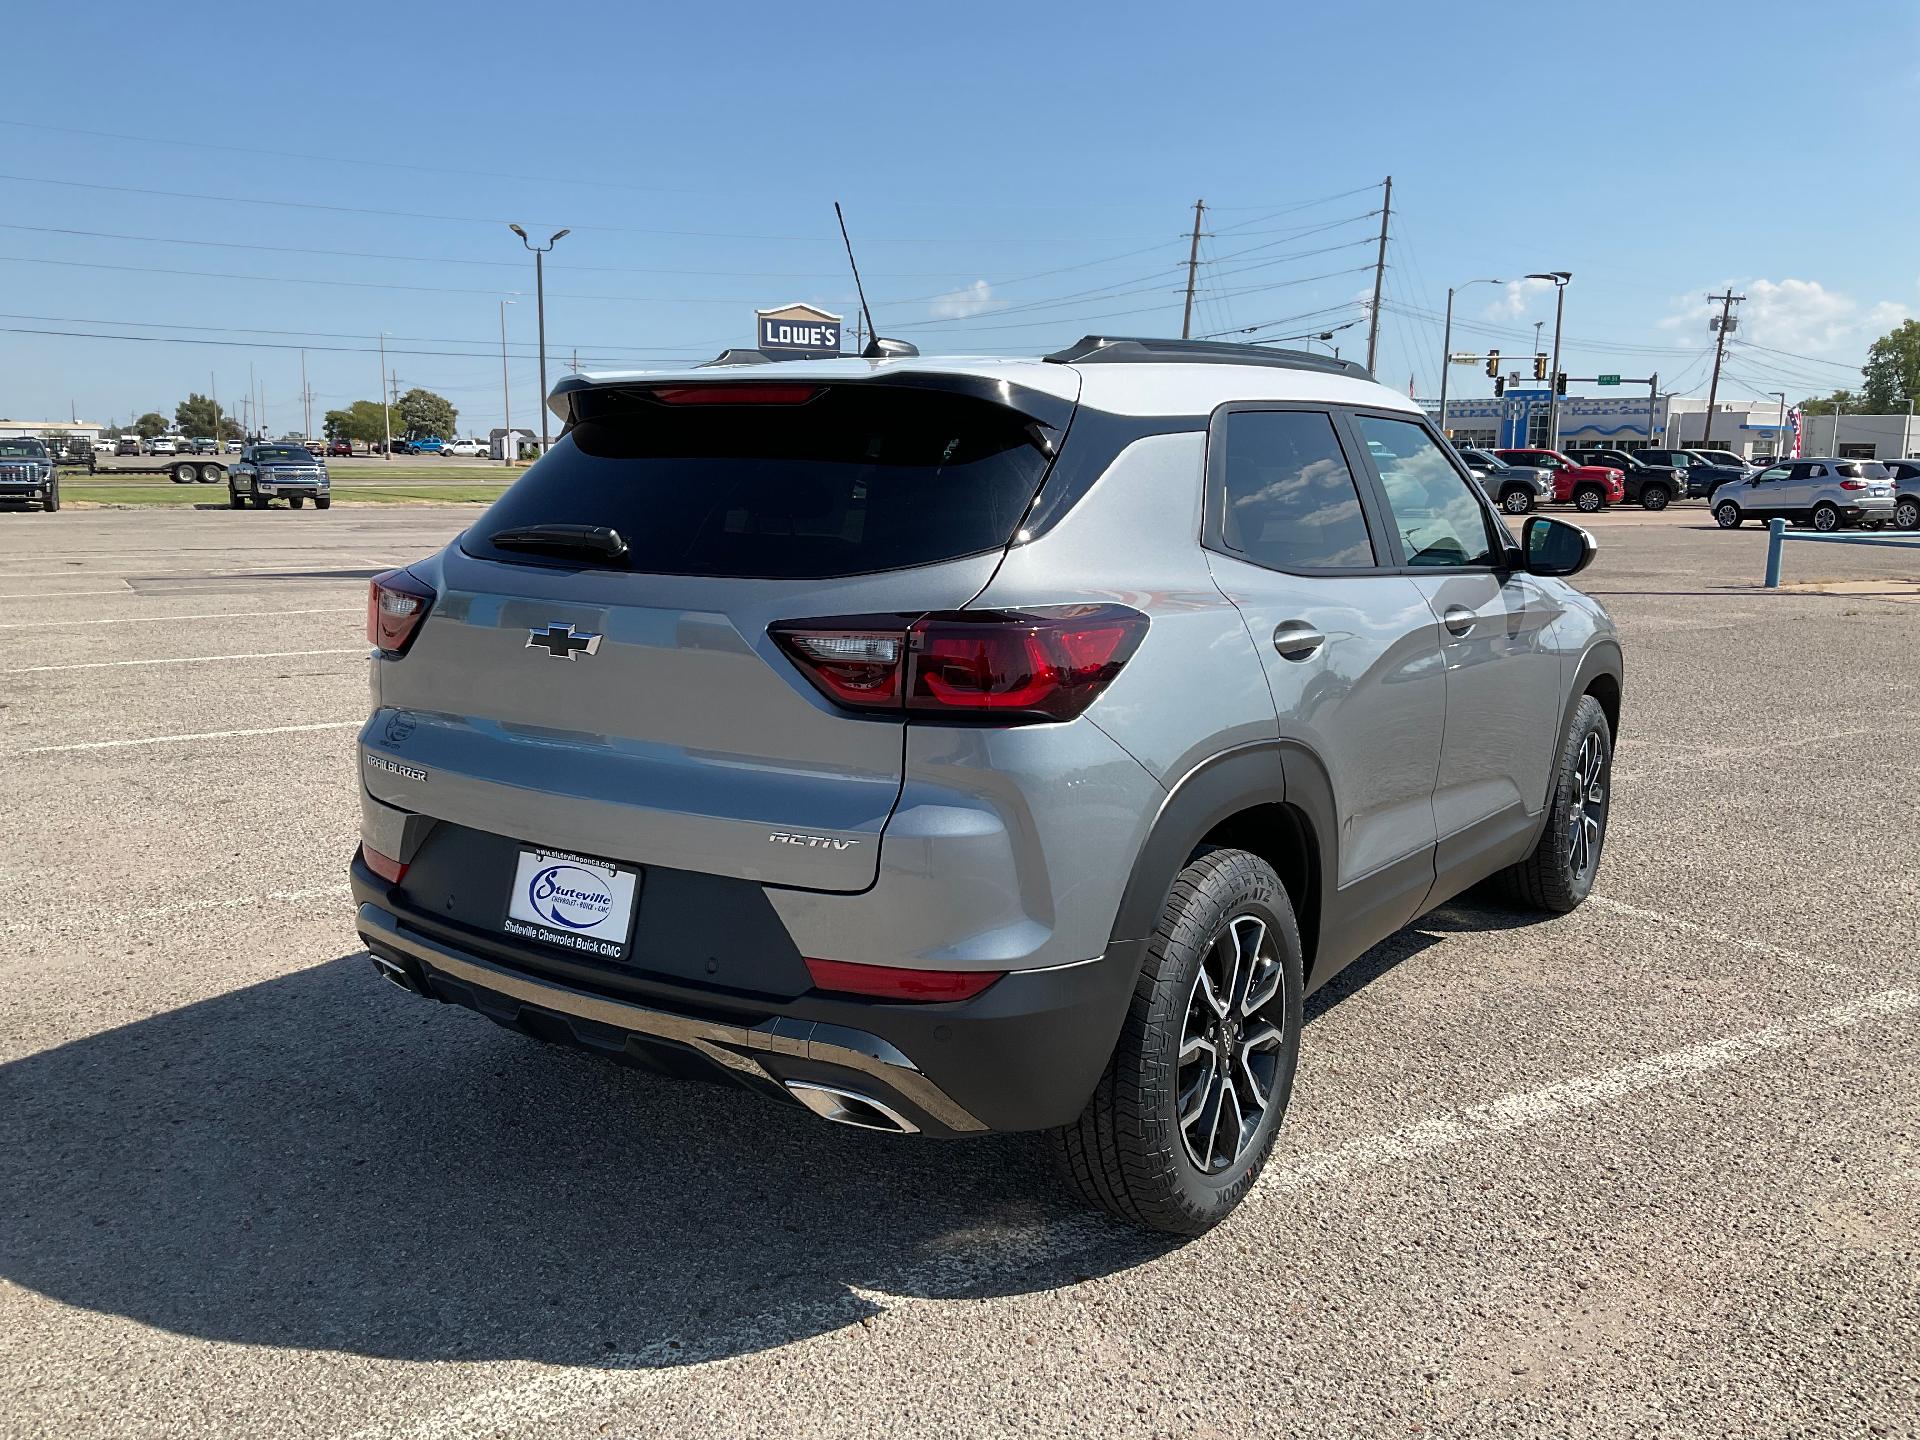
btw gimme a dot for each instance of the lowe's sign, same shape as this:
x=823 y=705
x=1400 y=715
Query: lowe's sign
x=798 y=332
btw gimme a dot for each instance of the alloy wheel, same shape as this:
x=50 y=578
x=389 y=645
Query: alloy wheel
x=1587 y=501
x=1518 y=502
x=1587 y=824
x=1907 y=514
x=1230 y=1043
x=1826 y=518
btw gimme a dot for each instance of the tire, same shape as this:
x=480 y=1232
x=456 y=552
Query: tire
x=1826 y=519
x=1129 y=1152
x=209 y=474
x=1906 y=514
x=323 y=502
x=1559 y=872
x=1655 y=497
x=259 y=501
x=50 y=501
x=1515 y=500
x=1727 y=514
x=298 y=502
x=235 y=499
x=185 y=473
x=1589 y=499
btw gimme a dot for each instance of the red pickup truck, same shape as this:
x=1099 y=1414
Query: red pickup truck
x=1585 y=487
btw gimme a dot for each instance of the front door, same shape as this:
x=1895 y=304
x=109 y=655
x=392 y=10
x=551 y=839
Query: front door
x=1350 y=649
x=1494 y=627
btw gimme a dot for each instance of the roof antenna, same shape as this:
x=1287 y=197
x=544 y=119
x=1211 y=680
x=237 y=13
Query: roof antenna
x=877 y=349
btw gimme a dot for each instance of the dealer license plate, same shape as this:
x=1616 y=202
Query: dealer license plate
x=573 y=902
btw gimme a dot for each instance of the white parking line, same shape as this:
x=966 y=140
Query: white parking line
x=1738 y=942
x=60 y=594
x=554 y=1390
x=202 y=735
x=162 y=619
x=225 y=902
x=183 y=660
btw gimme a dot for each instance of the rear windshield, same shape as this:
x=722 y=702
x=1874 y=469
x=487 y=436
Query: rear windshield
x=1865 y=470
x=855 y=479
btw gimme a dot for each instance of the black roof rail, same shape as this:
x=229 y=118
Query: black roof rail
x=1141 y=350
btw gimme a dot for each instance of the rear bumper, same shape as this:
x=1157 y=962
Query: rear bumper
x=1024 y=1054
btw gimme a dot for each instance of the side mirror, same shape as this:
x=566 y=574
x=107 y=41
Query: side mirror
x=1553 y=547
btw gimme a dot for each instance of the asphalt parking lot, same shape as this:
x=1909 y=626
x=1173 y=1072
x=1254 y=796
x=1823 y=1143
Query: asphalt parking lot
x=1651 y=1168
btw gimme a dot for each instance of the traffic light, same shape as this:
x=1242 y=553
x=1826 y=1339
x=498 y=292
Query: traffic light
x=1560 y=383
x=1539 y=367
x=1499 y=386
x=1493 y=365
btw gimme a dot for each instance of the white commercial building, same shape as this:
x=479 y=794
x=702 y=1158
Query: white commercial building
x=1623 y=421
x=44 y=429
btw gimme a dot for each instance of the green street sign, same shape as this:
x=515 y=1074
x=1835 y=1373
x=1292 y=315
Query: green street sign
x=1609 y=380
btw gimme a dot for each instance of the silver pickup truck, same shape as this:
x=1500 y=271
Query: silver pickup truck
x=265 y=473
x=1516 y=489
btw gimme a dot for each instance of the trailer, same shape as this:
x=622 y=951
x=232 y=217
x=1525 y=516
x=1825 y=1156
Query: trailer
x=181 y=469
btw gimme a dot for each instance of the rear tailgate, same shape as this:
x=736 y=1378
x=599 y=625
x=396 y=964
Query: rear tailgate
x=682 y=736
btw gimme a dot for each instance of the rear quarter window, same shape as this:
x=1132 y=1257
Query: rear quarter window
x=851 y=480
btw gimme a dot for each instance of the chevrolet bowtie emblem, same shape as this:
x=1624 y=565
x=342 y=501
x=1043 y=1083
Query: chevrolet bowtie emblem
x=562 y=643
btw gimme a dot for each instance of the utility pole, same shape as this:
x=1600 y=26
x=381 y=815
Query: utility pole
x=213 y=394
x=1379 y=277
x=1653 y=401
x=1193 y=265
x=1780 y=436
x=386 y=415
x=509 y=452
x=1446 y=350
x=1727 y=302
x=306 y=399
x=253 y=408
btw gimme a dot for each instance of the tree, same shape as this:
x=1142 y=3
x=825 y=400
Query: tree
x=364 y=421
x=194 y=416
x=1892 y=370
x=421 y=413
x=1850 y=402
x=150 y=424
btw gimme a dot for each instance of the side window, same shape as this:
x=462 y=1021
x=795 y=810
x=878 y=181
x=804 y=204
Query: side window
x=1440 y=521
x=1779 y=472
x=1810 y=472
x=1289 y=500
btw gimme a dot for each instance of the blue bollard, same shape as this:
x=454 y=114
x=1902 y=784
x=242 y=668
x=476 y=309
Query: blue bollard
x=1776 y=534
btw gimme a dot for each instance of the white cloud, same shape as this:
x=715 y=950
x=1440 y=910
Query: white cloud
x=1792 y=315
x=1516 y=299
x=967 y=300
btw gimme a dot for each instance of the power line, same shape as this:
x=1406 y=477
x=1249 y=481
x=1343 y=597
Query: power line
x=332 y=334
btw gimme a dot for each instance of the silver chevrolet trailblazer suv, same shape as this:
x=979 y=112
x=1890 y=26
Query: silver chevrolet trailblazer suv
x=957 y=745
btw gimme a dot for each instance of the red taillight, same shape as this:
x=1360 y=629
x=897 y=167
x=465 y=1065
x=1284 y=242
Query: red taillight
x=1046 y=663
x=396 y=604
x=766 y=393
x=1853 y=484
x=385 y=866
x=890 y=982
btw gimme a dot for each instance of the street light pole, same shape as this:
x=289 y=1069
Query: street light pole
x=386 y=415
x=1559 y=279
x=1780 y=434
x=1446 y=349
x=540 y=305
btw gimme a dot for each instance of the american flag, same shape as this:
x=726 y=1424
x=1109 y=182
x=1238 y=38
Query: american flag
x=1410 y=394
x=1793 y=426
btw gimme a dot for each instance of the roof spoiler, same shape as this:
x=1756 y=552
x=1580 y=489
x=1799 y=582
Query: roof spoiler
x=1139 y=350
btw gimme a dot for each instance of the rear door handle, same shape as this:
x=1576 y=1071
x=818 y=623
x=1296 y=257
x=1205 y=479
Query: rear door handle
x=1296 y=639
x=1458 y=619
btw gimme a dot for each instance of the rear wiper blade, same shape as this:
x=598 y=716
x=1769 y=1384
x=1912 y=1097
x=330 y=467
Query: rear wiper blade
x=602 y=540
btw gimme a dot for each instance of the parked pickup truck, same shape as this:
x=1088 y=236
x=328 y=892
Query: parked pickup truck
x=27 y=474
x=427 y=445
x=266 y=473
x=1516 y=489
x=1703 y=475
x=1587 y=488
x=1651 y=486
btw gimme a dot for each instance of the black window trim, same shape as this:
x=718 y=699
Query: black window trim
x=1499 y=539
x=1213 y=513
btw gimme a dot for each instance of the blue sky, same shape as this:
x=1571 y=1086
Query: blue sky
x=1015 y=176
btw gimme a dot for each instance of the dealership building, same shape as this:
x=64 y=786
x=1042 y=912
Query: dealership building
x=1626 y=421
x=49 y=430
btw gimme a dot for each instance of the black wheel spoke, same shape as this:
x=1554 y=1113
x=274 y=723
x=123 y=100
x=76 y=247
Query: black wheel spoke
x=1231 y=1042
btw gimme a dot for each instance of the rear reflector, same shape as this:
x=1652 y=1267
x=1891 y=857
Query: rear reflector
x=1045 y=663
x=385 y=866
x=890 y=982
x=766 y=393
x=396 y=604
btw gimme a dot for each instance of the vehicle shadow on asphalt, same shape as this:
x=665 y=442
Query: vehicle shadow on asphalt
x=321 y=1161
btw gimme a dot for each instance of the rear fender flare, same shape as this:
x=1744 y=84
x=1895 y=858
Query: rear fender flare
x=1272 y=772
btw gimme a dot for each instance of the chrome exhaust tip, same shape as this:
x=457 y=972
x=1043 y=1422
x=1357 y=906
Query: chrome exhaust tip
x=844 y=1107
x=398 y=974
